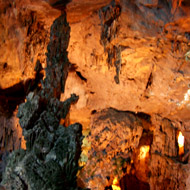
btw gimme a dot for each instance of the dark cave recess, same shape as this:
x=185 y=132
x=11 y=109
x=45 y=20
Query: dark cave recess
x=130 y=182
x=11 y=97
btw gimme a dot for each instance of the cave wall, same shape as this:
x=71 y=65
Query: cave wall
x=138 y=149
x=141 y=49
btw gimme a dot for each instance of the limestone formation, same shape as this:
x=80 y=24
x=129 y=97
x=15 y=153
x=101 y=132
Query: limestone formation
x=50 y=160
x=168 y=170
x=128 y=64
x=113 y=136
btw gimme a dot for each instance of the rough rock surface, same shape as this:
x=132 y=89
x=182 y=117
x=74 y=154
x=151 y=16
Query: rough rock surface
x=117 y=140
x=113 y=136
x=139 y=49
x=24 y=37
x=167 y=169
x=11 y=134
x=167 y=173
x=124 y=54
x=145 y=41
x=50 y=160
x=164 y=137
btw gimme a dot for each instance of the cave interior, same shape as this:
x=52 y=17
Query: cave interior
x=95 y=94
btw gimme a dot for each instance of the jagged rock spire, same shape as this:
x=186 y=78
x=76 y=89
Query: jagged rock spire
x=50 y=161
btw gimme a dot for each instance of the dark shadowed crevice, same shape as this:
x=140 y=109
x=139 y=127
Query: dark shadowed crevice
x=150 y=80
x=12 y=96
x=81 y=76
x=144 y=116
x=93 y=112
x=130 y=182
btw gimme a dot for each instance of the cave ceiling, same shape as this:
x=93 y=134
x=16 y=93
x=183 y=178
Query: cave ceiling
x=128 y=54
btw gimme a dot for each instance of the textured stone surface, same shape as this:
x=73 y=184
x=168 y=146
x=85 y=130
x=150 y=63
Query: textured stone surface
x=137 y=146
x=24 y=37
x=164 y=138
x=152 y=70
x=128 y=55
x=50 y=160
x=168 y=170
x=113 y=137
x=167 y=173
x=11 y=133
x=147 y=51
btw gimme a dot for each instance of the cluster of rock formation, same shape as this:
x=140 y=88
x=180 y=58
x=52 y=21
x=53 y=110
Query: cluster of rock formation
x=117 y=141
x=50 y=160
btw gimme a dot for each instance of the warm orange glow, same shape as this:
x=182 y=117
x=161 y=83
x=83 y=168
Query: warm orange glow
x=115 y=185
x=23 y=143
x=181 y=143
x=144 y=150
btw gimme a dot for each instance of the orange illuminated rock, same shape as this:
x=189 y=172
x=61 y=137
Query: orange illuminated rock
x=180 y=141
x=144 y=151
x=146 y=49
x=141 y=158
x=23 y=143
x=115 y=185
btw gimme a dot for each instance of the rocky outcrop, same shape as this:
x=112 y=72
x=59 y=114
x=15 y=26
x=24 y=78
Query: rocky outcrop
x=139 y=150
x=50 y=160
x=146 y=42
x=114 y=135
x=164 y=138
x=167 y=173
x=168 y=170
